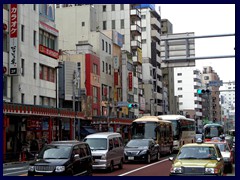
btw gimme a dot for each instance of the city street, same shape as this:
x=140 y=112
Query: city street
x=159 y=168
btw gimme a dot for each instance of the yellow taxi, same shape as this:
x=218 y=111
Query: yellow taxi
x=198 y=159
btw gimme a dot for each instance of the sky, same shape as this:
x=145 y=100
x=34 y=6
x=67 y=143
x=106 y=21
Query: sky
x=207 y=19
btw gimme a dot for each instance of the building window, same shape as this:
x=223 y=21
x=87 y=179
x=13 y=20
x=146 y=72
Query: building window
x=179 y=81
x=102 y=44
x=22 y=67
x=106 y=68
x=144 y=28
x=106 y=46
x=34 y=38
x=34 y=7
x=144 y=41
x=104 y=8
x=113 y=24
x=22 y=98
x=113 y=7
x=22 y=33
x=121 y=6
x=34 y=100
x=180 y=89
x=122 y=23
x=110 y=69
x=110 y=49
x=95 y=68
x=123 y=39
x=143 y=17
x=179 y=74
x=83 y=24
x=206 y=77
x=95 y=93
x=34 y=70
x=47 y=39
x=180 y=96
x=103 y=66
x=5 y=85
x=104 y=25
x=5 y=42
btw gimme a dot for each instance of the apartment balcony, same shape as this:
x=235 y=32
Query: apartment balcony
x=197 y=98
x=159 y=84
x=158 y=47
x=159 y=72
x=155 y=23
x=197 y=84
x=136 y=44
x=158 y=96
x=197 y=76
x=135 y=14
x=198 y=113
x=197 y=106
x=159 y=108
x=155 y=35
x=158 y=59
x=136 y=30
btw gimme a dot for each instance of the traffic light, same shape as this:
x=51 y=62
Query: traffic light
x=203 y=91
x=132 y=105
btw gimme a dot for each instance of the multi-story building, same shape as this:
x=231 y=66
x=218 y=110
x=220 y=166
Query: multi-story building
x=211 y=107
x=126 y=19
x=151 y=62
x=228 y=91
x=30 y=63
x=187 y=81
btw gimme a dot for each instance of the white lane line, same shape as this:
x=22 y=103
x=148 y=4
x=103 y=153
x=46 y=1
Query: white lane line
x=142 y=167
x=16 y=172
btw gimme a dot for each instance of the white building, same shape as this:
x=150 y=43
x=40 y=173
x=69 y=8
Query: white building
x=187 y=80
x=228 y=91
x=30 y=54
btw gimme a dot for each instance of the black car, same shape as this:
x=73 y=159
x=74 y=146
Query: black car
x=62 y=158
x=141 y=150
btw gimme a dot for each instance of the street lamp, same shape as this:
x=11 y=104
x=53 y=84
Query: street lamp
x=56 y=70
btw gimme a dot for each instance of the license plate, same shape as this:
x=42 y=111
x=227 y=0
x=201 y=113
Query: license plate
x=130 y=158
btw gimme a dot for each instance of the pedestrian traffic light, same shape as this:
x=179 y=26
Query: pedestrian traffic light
x=132 y=105
x=203 y=91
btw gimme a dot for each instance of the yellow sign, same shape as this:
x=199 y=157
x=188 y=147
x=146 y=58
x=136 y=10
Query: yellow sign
x=125 y=110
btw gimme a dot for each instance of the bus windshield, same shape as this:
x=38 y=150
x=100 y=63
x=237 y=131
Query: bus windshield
x=212 y=131
x=175 y=127
x=144 y=130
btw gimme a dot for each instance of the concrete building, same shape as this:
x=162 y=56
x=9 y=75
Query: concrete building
x=151 y=66
x=211 y=107
x=187 y=81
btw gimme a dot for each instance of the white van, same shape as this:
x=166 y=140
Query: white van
x=107 y=150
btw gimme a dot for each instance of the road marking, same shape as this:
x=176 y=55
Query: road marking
x=142 y=167
x=14 y=168
x=14 y=172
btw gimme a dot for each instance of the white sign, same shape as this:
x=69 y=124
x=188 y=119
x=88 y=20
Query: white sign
x=115 y=62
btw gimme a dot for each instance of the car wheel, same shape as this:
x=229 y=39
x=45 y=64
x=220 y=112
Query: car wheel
x=111 y=167
x=120 y=166
x=148 y=158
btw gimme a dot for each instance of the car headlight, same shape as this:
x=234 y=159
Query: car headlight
x=211 y=170
x=31 y=168
x=143 y=152
x=103 y=156
x=176 y=170
x=60 y=168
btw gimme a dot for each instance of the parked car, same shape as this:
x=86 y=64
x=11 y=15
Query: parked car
x=141 y=150
x=62 y=158
x=198 y=159
x=227 y=154
x=107 y=150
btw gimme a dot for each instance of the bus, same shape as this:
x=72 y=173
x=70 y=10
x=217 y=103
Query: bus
x=150 y=127
x=212 y=130
x=184 y=129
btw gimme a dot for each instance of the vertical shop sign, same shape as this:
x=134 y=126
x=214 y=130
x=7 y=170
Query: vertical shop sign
x=13 y=42
x=115 y=78
x=130 y=81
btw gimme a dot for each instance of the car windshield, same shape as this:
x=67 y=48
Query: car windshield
x=97 y=143
x=197 y=153
x=137 y=143
x=55 y=152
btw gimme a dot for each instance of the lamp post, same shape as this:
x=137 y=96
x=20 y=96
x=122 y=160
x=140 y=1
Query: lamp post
x=56 y=69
